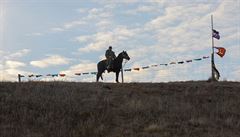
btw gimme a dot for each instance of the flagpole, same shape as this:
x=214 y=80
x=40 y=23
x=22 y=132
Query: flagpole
x=212 y=59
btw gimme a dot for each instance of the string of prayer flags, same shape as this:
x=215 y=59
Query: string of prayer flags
x=221 y=53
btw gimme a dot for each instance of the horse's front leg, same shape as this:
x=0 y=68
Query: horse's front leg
x=117 y=74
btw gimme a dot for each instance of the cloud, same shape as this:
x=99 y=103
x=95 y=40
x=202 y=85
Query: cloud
x=84 y=66
x=100 y=40
x=144 y=9
x=17 y=54
x=53 y=60
x=35 y=34
x=10 y=69
x=73 y=24
x=56 y=29
x=14 y=64
x=69 y=25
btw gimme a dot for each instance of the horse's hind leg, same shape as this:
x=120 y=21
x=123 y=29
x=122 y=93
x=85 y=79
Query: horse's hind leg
x=98 y=76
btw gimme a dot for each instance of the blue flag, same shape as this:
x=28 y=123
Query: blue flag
x=215 y=34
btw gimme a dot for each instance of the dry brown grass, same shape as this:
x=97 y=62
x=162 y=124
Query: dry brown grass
x=59 y=109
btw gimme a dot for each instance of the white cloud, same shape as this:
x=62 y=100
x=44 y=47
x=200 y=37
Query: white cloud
x=102 y=39
x=56 y=29
x=35 y=34
x=83 y=38
x=82 y=10
x=14 y=64
x=53 y=60
x=17 y=54
x=73 y=24
x=10 y=69
x=144 y=9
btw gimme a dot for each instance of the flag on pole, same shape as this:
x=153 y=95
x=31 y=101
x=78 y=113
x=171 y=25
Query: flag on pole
x=221 y=51
x=215 y=34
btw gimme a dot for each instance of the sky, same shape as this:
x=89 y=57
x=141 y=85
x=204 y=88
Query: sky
x=71 y=36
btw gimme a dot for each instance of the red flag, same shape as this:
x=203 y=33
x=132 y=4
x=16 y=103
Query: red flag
x=221 y=51
x=62 y=75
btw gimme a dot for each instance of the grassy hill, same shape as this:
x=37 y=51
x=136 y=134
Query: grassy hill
x=62 y=109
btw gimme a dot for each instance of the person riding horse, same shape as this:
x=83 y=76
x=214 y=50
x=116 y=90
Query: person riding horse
x=110 y=56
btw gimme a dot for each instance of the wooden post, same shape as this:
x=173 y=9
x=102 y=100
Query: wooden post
x=122 y=75
x=19 y=78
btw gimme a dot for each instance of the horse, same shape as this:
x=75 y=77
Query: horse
x=116 y=67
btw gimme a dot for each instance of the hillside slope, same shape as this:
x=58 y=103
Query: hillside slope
x=59 y=109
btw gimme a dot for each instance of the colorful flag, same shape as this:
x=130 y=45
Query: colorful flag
x=127 y=69
x=205 y=57
x=215 y=34
x=38 y=76
x=221 y=51
x=198 y=59
x=62 y=75
x=163 y=64
x=181 y=62
x=154 y=65
x=30 y=75
x=145 y=67
x=78 y=74
x=54 y=75
x=173 y=63
x=94 y=73
x=136 y=69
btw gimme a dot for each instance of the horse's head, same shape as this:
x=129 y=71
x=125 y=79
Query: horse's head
x=125 y=55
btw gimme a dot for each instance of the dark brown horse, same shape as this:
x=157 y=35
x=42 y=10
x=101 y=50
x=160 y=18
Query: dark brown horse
x=117 y=65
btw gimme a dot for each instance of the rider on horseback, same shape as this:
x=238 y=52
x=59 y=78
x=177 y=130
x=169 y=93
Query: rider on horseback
x=110 y=55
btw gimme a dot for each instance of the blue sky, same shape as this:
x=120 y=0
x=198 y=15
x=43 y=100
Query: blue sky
x=69 y=36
